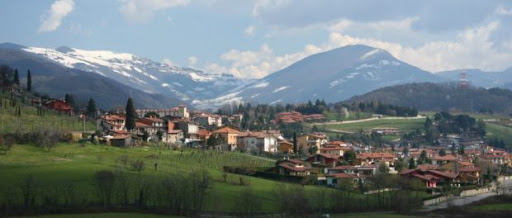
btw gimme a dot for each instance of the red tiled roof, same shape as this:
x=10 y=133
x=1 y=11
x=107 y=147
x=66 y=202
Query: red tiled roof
x=292 y=167
x=226 y=129
x=447 y=157
x=344 y=167
x=375 y=155
x=425 y=167
x=444 y=174
x=469 y=169
x=341 y=175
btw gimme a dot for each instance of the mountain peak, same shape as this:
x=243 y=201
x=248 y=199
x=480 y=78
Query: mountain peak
x=9 y=45
x=64 y=49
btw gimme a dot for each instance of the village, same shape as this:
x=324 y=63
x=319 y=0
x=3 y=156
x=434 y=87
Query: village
x=330 y=162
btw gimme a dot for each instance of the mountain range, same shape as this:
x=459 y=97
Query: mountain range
x=111 y=77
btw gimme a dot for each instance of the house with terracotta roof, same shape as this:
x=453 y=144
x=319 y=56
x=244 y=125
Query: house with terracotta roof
x=257 y=142
x=293 y=167
x=59 y=105
x=307 y=141
x=373 y=158
x=285 y=146
x=203 y=134
x=206 y=119
x=336 y=179
x=229 y=135
x=174 y=134
x=440 y=160
x=334 y=150
x=324 y=159
x=110 y=122
x=431 y=177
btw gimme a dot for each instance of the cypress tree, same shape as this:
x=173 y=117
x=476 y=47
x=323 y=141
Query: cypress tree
x=295 y=149
x=16 y=79
x=130 y=115
x=91 y=107
x=29 y=81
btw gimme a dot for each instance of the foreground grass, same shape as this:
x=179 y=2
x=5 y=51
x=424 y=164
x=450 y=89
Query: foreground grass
x=71 y=164
x=371 y=215
x=105 y=215
x=494 y=207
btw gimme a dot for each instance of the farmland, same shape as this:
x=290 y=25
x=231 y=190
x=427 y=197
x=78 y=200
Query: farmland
x=402 y=124
x=30 y=120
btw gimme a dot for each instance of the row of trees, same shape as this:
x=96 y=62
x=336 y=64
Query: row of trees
x=10 y=77
x=377 y=107
x=180 y=194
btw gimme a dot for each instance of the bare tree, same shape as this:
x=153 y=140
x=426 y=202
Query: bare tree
x=249 y=204
x=137 y=165
x=104 y=186
x=29 y=190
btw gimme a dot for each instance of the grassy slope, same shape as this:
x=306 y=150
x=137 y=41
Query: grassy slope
x=30 y=120
x=402 y=124
x=499 y=131
x=58 y=167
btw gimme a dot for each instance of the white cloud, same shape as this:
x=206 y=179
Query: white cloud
x=52 y=19
x=142 y=10
x=249 y=31
x=260 y=63
x=192 y=61
x=471 y=48
x=503 y=11
x=215 y=68
x=262 y=5
x=168 y=61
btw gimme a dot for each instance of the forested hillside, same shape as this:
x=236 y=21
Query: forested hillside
x=442 y=97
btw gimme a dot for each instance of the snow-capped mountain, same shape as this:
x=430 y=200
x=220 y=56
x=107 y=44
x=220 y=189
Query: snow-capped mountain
x=334 y=75
x=141 y=73
x=56 y=80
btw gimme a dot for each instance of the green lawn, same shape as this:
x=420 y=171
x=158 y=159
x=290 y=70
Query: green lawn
x=494 y=207
x=29 y=120
x=402 y=124
x=371 y=215
x=71 y=164
x=106 y=215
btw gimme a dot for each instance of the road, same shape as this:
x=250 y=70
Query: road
x=460 y=201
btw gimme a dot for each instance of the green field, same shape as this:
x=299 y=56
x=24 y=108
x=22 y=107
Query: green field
x=500 y=132
x=76 y=165
x=402 y=124
x=106 y=215
x=29 y=120
x=494 y=207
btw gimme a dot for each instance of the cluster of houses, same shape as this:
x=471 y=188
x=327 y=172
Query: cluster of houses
x=329 y=166
x=321 y=157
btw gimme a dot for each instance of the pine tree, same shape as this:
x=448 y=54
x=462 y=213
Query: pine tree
x=29 y=81
x=16 y=79
x=91 y=107
x=295 y=149
x=130 y=115
x=412 y=165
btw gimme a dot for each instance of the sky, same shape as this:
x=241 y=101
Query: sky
x=254 y=38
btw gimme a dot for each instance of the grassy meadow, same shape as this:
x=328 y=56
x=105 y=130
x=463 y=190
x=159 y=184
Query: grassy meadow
x=402 y=124
x=30 y=120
